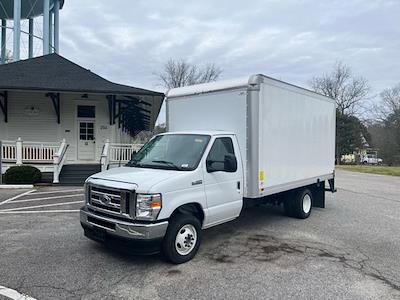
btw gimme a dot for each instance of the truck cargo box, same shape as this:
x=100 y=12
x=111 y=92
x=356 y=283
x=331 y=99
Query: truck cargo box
x=286 y=133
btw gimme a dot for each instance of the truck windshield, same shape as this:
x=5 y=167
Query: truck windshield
x=171 y=151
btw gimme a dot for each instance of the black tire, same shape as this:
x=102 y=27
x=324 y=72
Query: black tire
x=294 y=204
x=176 y=224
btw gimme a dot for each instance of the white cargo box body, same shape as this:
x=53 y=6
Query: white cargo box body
x=286 y=134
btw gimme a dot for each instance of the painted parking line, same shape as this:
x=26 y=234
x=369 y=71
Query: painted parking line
x=46 y=198
x=40 y=206
x=16 y=197
x=13 y=294
x=58 y=191
x=40 y=211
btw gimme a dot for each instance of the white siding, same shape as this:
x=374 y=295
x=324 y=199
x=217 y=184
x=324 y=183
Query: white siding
x=42 y=126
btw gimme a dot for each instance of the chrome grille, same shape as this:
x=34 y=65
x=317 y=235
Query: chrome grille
x=109 y=200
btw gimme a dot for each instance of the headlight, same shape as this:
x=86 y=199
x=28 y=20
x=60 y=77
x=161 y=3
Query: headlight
x=148 y=206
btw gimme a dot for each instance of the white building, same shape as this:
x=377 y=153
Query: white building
x=68 y=121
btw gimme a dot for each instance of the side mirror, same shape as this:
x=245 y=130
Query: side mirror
x=229 y=164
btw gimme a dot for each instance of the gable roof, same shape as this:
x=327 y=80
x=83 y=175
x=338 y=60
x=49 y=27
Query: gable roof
x=55 y=73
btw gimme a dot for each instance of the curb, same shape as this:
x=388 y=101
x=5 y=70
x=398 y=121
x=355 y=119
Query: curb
x=16 y=186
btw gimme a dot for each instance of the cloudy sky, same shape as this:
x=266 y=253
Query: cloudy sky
x=293 y=40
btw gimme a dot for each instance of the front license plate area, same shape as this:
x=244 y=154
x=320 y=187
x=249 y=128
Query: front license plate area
x=99 y=234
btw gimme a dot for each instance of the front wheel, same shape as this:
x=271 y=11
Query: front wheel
x=182 y=239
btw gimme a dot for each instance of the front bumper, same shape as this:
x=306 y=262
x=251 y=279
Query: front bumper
x=122 y=229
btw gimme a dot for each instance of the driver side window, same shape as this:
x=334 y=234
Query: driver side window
x=221 y=148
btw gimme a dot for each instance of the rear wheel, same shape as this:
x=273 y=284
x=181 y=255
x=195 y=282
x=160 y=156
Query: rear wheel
x=299 y=204
x=183 y=238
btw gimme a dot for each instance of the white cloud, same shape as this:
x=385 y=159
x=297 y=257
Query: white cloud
x=127 y=41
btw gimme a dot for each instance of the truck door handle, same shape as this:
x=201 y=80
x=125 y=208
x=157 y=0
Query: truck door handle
x=197 y=182
x=238 y=185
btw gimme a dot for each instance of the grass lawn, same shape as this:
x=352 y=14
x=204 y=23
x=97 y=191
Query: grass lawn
x=382 y=170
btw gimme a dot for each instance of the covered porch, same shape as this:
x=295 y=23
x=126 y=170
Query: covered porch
x=54 y=113
x=50 y=158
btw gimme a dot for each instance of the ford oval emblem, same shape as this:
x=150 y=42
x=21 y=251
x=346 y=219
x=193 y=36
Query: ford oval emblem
x=106 y=199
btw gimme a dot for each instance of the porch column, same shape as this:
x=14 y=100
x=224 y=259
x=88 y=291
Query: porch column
x=17 y=29
x=18 y=151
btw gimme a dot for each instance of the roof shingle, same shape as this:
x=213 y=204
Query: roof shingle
x=53 y=72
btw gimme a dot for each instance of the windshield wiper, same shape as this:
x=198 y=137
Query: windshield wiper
x=133 y=163
x=169 y=163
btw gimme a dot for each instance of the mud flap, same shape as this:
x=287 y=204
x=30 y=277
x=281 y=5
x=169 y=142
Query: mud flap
x=318 y=191
x=331 y=185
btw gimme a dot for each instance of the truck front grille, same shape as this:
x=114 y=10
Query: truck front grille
x=110 y=200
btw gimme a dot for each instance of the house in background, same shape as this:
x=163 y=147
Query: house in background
x=362 y=155
x=67 y=121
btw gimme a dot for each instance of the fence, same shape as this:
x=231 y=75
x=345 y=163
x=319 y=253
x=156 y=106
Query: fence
x=19 y=152
x=117 y=154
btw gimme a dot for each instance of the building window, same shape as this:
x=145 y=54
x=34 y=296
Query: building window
x=86 y=131
x=86 y=111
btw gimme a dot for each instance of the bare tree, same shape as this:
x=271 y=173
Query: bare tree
x=385 y=131
x=178 y=73
x=390 y=103
x=340 y=84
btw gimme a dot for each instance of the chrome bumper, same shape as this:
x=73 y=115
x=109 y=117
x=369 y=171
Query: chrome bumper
x=134 y=231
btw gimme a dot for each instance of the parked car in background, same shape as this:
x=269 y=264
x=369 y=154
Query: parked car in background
x=371 y=159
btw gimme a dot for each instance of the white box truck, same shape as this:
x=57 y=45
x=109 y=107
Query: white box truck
x=228 y=144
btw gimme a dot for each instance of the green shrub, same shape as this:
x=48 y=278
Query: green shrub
x=22 y=175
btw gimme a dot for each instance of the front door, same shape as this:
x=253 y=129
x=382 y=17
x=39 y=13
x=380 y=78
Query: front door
x=224 y=189
x=86 y=132
x=87 y=141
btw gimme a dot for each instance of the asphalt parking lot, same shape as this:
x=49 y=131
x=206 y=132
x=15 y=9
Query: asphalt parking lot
x=349 y=250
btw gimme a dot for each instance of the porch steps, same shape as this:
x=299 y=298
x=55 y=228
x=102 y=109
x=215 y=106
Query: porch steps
x=77 y=174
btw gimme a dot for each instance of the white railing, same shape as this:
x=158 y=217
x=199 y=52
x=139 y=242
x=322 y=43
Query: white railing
x=122 y=152
x=105 y=159
x=9 y=152
x=20 y=152
x=39 y=152
x=58 y=160
x=117 y=154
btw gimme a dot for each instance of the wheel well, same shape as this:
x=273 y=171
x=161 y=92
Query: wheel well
x=191 y=208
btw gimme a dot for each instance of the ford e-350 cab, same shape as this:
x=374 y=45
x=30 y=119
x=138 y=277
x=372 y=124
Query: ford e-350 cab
x=228 y=144
x=168 y=192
